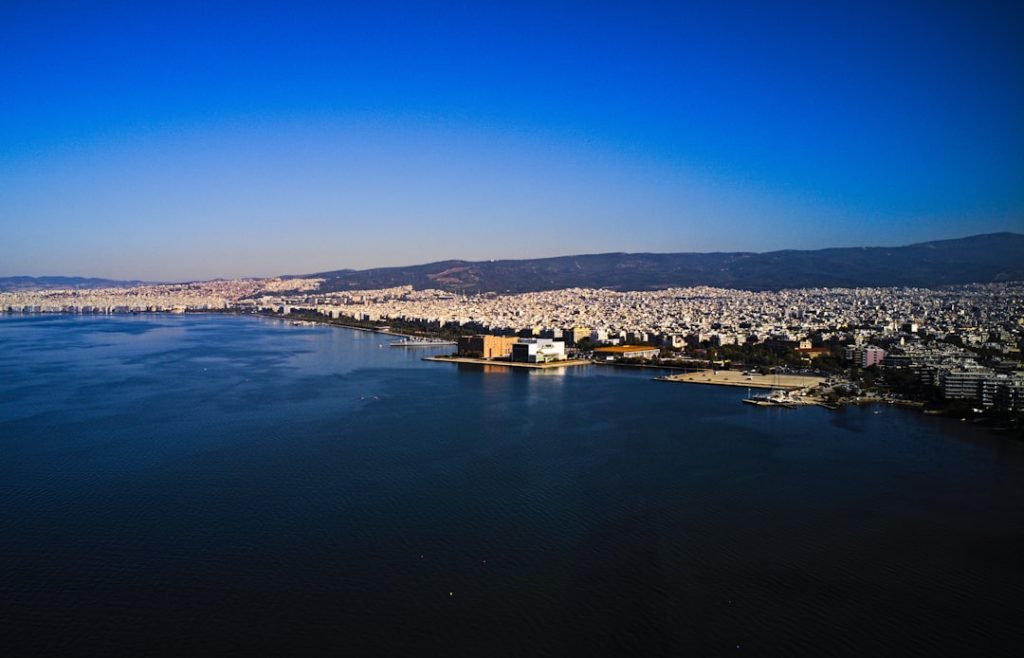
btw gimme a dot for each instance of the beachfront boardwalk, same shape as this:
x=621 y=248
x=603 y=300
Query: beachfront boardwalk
x=736 y=378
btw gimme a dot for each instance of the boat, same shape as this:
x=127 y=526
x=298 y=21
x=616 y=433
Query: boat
x=774 y=398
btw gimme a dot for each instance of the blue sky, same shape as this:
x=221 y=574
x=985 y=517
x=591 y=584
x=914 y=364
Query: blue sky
x=178 y=141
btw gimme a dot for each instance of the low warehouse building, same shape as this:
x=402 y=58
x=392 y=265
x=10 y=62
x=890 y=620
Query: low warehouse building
x=614 y=352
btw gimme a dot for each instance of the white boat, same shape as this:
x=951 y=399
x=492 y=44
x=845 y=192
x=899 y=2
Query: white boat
x=774 y=398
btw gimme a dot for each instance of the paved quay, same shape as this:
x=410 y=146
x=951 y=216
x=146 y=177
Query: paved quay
x=509 y=364
x=735 y=378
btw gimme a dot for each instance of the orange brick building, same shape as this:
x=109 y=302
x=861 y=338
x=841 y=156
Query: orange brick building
x=486 y=347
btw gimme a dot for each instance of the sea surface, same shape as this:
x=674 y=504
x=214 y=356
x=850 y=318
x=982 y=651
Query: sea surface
x=241 y=486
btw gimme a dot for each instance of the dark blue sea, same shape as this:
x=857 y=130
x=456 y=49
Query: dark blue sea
x=242 y=486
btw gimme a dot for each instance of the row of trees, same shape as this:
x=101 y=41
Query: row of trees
x=450 y=331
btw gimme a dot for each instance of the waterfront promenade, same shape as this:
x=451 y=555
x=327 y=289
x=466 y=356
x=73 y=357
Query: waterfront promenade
x=510 y=364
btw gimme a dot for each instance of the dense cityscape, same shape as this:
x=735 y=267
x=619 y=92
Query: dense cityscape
x=960 y=345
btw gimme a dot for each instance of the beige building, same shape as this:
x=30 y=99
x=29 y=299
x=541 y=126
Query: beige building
x=575 y=335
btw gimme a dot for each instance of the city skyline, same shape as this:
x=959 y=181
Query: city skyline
x=183 y=144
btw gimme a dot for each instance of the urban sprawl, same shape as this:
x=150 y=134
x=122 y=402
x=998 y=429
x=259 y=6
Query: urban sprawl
x=957 y=347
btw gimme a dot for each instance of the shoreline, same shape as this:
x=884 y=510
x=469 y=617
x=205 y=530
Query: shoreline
x=508 y=364
x=302 y=319
x=693 y=376
x=646 y=365
x=738 y=380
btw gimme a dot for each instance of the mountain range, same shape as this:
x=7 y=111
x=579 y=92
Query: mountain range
x=14 y=283
x=992 y=257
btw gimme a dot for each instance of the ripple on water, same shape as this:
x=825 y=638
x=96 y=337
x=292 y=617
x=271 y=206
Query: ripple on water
x=275 y=489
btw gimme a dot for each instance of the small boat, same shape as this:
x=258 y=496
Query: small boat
x=770 y=399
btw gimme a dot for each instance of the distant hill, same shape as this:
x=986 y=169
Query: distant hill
x=12 y=283
x=986 y=258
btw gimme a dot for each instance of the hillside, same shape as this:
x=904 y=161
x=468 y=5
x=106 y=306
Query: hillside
x=12 y=283
x=977 y=259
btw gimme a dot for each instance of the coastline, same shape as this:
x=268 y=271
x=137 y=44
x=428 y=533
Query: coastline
x=508 y=364
x=734 y=379
x=333 y=323
x=739 y=380
x=646 y=365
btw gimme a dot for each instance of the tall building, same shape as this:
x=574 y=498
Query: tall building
x=1004 y=392
x=871 y=356
x=575 y=335
x=964 y=383
x=865 y=357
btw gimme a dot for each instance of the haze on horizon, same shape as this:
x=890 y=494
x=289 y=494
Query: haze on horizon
x=179 y=142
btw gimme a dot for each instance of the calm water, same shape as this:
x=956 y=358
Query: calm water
x=237 y=486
